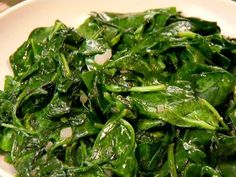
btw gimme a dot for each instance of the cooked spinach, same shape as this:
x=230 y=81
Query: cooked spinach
x=150 y=94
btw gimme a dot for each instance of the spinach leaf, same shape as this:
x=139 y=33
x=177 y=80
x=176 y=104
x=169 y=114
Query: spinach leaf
x=148 y=94
x=177 y=109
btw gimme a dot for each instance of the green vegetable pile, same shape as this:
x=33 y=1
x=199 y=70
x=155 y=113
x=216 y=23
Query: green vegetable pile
x=150 y=94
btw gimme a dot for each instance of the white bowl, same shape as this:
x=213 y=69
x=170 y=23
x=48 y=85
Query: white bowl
x=17 y=22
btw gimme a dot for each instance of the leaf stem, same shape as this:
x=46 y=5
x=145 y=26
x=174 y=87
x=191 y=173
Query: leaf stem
x=188 y=34
x=140 y=89
x=65 y=66
x=171 y=161
x=152 y=88
x=215 y=113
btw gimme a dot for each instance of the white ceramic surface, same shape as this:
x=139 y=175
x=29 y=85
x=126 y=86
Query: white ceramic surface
x=17 y=22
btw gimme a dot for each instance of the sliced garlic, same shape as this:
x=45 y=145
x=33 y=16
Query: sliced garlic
x=103 y=58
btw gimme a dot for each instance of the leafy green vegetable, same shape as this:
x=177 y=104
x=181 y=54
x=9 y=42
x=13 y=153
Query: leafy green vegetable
x=149 y=94
x=177 y=109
